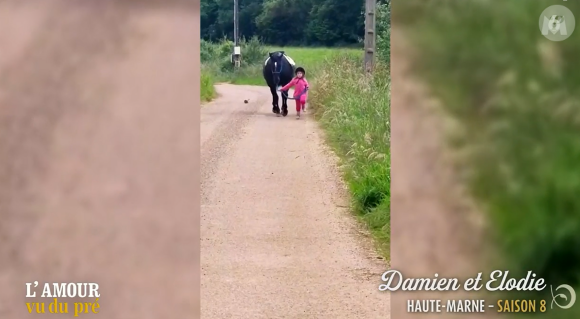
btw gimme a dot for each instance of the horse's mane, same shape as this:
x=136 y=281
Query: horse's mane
x=279 y=54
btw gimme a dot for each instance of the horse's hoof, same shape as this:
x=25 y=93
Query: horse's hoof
x=285 y=112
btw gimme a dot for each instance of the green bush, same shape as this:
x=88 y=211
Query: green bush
x=208 y=51
x=354 y=109
x=254 y=52
x=217 y=58
x=207 y=89
x=517 y=96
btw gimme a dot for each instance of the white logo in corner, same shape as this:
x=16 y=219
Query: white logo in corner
x=572 y=297
x=557 y=23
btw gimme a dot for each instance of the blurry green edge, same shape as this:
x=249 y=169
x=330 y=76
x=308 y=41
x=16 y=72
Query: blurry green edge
x=518 y=109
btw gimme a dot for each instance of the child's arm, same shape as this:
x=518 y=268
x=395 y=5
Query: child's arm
x=289 y=85
x=307 y=85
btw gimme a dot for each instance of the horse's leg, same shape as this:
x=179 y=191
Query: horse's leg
x=284 y=104
x=275 y=107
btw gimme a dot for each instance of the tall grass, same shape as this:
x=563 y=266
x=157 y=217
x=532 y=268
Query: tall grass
x=207 y=86
x=517 y=96
x=354 y=109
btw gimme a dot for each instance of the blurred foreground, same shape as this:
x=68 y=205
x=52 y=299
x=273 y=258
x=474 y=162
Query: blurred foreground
x=99 y=153
x=513 y=100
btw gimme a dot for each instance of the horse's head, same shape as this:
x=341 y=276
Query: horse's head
x=276 y=63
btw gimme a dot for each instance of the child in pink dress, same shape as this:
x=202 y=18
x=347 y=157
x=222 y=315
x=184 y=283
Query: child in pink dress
x=300 y=90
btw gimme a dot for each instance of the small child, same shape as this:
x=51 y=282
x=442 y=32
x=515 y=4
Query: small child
x=300 y=90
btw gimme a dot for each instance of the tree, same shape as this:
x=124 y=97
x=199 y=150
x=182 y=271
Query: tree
x=335 y=22
x=286 y=22
x=384 y=31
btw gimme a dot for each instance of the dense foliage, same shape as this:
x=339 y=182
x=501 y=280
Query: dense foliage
x=287 y=22
x=383 y=25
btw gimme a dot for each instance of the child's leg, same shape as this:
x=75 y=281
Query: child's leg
x=303 y=102
x=297 y=108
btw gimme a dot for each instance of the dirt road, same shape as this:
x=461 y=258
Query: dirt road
x=277 y=240
x=98 y=157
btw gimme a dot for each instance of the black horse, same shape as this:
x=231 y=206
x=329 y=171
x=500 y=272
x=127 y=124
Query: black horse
x=277 y=72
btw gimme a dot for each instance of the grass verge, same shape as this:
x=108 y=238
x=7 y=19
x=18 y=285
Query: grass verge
x=311 y=59
x=215 y=59
x=354 y=110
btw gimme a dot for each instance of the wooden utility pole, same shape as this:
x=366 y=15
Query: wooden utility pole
x=237 y=54
x=370 y=35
